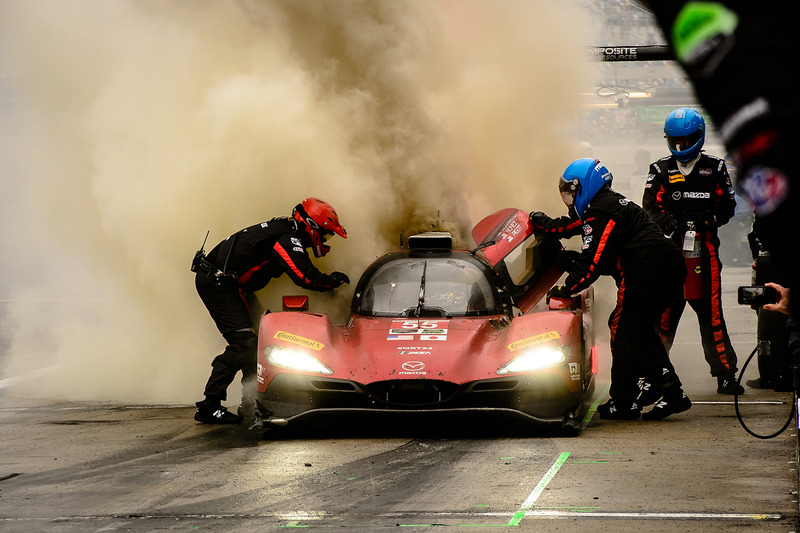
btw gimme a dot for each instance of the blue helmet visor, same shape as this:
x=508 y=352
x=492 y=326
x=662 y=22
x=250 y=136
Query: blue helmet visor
x=568 y=189
x=684 y=142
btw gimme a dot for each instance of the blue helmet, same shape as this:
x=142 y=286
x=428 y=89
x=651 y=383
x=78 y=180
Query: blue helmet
x=581 y=181
x=685 y=131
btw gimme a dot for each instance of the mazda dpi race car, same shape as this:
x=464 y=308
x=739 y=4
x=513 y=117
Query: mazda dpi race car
x=440 y=332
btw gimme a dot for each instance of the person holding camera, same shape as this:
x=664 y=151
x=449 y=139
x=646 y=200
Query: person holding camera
x=774 y=360
x=239 y=266
x=689 y=195
x=783 y=305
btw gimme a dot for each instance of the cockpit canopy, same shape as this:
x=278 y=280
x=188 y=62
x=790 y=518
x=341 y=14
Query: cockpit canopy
x=428 y=285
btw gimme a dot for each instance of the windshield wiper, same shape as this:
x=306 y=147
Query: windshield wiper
x=481 y=246
x=421 y=301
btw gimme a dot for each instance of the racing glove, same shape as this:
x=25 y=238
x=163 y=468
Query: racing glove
x=340 y=278
x=670 y=227
x=538 y=219
x=566 y=261
x=559 y=291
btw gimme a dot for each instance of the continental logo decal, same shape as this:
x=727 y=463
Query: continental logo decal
x=675 y=178
x=297 y=339
x=524 y=343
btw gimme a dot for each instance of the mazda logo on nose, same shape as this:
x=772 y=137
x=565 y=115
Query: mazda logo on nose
x=413 y=366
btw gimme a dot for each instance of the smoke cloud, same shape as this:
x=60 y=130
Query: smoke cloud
x=138 y=126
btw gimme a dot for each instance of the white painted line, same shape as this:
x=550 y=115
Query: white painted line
x=542 y=513
x=537 y=491
x=754 y=402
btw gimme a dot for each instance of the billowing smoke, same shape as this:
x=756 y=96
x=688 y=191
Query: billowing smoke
x=142 y=125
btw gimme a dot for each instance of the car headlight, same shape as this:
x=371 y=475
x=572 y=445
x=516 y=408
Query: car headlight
x=294 y=359
x=535 y=359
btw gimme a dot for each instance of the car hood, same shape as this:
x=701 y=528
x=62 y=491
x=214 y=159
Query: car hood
x=459 y=350
x=455 y=349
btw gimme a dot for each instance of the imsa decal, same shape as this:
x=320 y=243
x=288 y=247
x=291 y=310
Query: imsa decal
x=536 y=339
x=297 y=339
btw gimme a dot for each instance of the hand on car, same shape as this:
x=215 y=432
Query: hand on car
x=538 y=219
x=559 y=291
x=340 y=278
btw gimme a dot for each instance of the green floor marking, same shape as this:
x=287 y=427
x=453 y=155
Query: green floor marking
x=548 y=477
x=593 y=408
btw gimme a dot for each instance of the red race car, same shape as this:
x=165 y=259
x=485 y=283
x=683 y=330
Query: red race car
x=436 y=331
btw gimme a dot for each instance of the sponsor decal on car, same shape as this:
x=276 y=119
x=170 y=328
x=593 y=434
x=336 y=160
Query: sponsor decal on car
x=413 y=330
x=413 y=368
x=297 y=339
x=573 y=372
x=512 y=229
x=536 y=339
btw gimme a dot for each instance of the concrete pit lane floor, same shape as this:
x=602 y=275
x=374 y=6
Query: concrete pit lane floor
x=70 y=467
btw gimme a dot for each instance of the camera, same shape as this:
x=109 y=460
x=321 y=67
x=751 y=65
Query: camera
x=757 y=295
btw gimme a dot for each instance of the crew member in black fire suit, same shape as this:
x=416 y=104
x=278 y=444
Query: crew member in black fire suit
x=244 y=263
x=621 y=241
x=736 y=54
x=690 y=191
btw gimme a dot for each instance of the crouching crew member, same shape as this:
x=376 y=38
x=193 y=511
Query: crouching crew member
x=621 y=241
x=239 y=266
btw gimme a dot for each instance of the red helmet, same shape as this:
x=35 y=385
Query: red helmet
x=320 y=222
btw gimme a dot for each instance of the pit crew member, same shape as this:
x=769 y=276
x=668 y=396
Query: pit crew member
x=243 y=263
x=620 y=240
x=690 y=191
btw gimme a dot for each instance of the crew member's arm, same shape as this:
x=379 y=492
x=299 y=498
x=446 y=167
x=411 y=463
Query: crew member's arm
x=725 y=205
x=561 y=227
x=653 y=201
x=289 y=251
x=596 y=250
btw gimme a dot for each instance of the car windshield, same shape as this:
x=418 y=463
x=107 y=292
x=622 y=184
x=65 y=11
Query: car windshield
x=428 y=287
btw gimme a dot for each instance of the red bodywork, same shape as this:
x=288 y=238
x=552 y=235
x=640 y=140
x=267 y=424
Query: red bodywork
x=444 y=353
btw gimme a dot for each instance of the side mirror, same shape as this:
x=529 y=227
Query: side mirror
x=295 y=303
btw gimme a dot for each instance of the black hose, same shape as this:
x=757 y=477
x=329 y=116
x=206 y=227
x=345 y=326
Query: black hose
x=739 y=415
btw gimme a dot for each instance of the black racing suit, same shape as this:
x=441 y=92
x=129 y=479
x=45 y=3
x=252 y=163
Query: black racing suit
x=620 y=240
x=249 y=259
x=705 y=197
x=739 y=76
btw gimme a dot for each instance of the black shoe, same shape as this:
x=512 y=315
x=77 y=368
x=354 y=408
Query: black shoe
x=667 y=407
x=611 y=410
x=651 y=390
x=758 y=383
x=728 y=385
x=218 y=415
